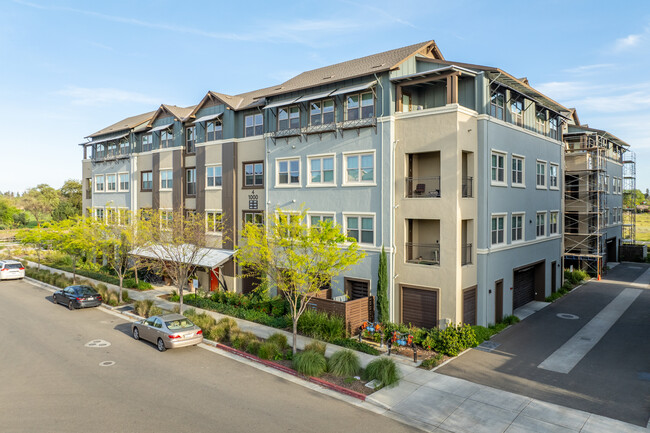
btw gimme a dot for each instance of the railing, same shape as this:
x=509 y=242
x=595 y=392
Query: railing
x=423 y=254
x=359 y=123
x=467 y=187
x=317 y=129
x=466 y=254
x=423 y=187
x=287 y=132
x=89 y=194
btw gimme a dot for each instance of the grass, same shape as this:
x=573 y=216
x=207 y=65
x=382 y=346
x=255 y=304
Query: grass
x=382 y=369
x=643 y=227
x=344 y=363
x=310 y=363
x=483 y=333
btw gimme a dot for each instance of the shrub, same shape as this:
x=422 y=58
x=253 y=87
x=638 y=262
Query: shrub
x=125 y=296
x=383 y=370
x=142 y=308
x=268 y=350
x=310 y=363
x=344 y=363
x=482 y=333
x=241 y=339
x=316 y=346
x=510 y=320
x=113 y=299
x=456 y=338
x=432 y=362
x=279 y=340
x=155 y=311
x=321 y=325
x=355 y=345
x=254 y=347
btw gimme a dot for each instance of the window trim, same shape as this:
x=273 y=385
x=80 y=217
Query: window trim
x=321 y=184
x=321 y=214
x=216 y=122
x=215 y=187
x=523 y=227
x=288 y=109
x=193 y=141
x=360 y=107
x=142 y=188
x=244 y=163
x=523 y=171
x=557 y=223
x=97 y=208
x=557 y=176
x=161 y=180
x=254 y=115
x=497 y=182
x=321 y=102
x=119 y=182
x=169 y=142
x=360 y=215
x=106 y=185
x=142 y=137
x=257 y=212
x=498 y=215
x=103 y=183
x=187 y=182
x=216 y=211
x=545 y=234
x=277 y=172
x=345 y=156
x=545 y=165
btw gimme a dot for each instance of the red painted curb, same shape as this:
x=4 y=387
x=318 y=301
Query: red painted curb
x=337 y=388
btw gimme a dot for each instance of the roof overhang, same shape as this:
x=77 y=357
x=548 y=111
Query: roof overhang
x=355 y=88
x=206 y=257
x=404 y=80
x=507 y=80
x=207 y=118
x=611 y=137
x=161 y=127
x=104 y=140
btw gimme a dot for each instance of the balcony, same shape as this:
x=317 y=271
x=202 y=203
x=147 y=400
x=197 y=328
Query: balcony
x=467 y=187
x=422 y=254
x=422 y=246
x=89 y=194
x=423 y=175
x=423 y=187
x=466 y=254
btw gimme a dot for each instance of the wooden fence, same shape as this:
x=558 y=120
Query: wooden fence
x=353 y=312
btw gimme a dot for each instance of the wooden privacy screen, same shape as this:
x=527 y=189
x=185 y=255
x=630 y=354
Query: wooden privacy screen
x=353 y=312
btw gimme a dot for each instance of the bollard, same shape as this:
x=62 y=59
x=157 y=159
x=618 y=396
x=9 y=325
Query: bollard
x=415 y=352
x=390 y=345
x=360 y=333
x=381 y=344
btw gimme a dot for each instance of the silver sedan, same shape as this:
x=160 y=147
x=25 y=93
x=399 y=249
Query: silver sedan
x=168 y=331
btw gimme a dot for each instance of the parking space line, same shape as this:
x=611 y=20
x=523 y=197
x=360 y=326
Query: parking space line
x=564 y=359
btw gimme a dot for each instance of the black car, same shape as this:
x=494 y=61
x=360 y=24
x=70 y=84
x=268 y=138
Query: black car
x=77 y=297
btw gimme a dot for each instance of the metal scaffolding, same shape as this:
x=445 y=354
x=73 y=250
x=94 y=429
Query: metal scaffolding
x=629 y=196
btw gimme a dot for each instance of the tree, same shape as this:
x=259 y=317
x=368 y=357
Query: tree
x=71 y=193
x=115 y=242
x=296 y=259
x=382 y=288
x=7 y=212
x=75 y=237
x=36 y=237
x=176 y=242
x=40 y=201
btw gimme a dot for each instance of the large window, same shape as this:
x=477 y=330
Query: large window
x=111 y=182
x=498 y=229
x=321 y=112
x=99 y=183
x=360 y=106
x=166 y=179
x=552 y=176
x=359 y=168
x=253 y=174
x=190 y=181
x=147 y=142
x=253 y=125
x=517 y=112
x=213 y=176
x=124 y=181
x=99 y=214
x=517 y=227
x=190 y=139
x=146 y=181
x=214 y=130
x=124 y=146
x=541 y=174
x=541 y=224
x=497 y=104
x=288 y=118
x=316 y=220
x=552 y=223
x=553 y=130
x=288 y=172
x=540 y=121
x=213 y=221
x=361 y=229
x=518 y=170
x=321 y=170
x=254 y=218
x=166 y=138
x=166 y=217
x=498 y=167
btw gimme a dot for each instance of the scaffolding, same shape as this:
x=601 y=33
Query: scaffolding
x=629 y=197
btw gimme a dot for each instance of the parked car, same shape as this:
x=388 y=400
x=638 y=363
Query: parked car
x=168 y=331
x=77 y=297
x=11 y=270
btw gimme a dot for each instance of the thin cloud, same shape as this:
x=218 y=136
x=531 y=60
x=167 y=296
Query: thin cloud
x=628 y=42
x=391 y=17
x=587 y=69
x=103 y=96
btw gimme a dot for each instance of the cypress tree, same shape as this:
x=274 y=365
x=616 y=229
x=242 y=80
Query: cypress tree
x=382 y=288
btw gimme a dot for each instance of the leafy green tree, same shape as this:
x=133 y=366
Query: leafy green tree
x=76 y=237
x=40 y=201
x=114 y=240
x=382 y=288
x=71 y=193
x=7 y=212
x=37 y=237
x=296 y=259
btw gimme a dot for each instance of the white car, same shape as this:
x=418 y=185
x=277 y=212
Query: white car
x=11 y=270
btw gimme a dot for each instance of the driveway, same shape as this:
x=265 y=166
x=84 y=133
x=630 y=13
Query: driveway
x=594 y=356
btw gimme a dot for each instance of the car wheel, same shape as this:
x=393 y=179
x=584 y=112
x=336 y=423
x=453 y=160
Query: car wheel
x=136 y=333
x=161 y=345
x=70 y=305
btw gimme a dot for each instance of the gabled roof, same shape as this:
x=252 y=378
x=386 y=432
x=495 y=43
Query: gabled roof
x=578 y=129
x=125 y=124
x=234 y=102
x=179 y=113
x=363 y=66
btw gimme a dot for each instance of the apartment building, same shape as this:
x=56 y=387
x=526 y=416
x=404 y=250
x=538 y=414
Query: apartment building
x=455 y=169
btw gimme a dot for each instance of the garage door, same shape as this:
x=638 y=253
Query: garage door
x=524 y=287
x=420 y=307
x=469 y=306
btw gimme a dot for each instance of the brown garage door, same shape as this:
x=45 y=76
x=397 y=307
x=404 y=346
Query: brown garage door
x=523 y=287
x=469 y=306
x=420 y=307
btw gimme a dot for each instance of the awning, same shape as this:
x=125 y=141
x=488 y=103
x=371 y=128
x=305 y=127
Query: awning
x=281 y=103
x=205 y=257
x=207 y=118
x=356 y=88
x=320 y=95
x=104 y=140
x=540 y=99
x=404 y=79
x=161 y=127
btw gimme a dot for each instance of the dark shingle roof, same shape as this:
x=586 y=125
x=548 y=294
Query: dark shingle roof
x=125 y=124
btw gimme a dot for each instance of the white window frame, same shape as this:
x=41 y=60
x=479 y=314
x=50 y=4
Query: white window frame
x=322 y=183
x=119 y=181
x=557 y=176
x=96 y=213
x=107 y=182
x=504 y=217
x=190 y=141
x=555 y=213
x=512 y=171
x=522 y=215
x=214 y=211
x=311 y=214
x=160 y=175
x=359 y=154
x=544 y=164
x=103 y=183
x=277 y=173
x=208 y=166
x=253 y=125
x=164 y=216
x=149 y=137
x=504 y=156
x=542 y=214
x=360 y=215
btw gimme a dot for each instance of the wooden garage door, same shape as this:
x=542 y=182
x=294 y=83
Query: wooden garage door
x=357 y=289
x=524 y=287
x=469 y=306
x=420 y=307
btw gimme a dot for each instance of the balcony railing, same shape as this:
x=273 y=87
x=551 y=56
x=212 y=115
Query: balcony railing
x=466 y=254
x=423 y=187
x=89 y=194
x=423 y=254
x=467 y=187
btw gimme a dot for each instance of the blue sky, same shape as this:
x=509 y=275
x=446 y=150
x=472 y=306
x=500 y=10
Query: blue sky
x=70 y=68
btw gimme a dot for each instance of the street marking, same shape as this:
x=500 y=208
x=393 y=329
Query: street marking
x=97 y=343
x=644 y=278
x=106 y=363
x=566 y=357
x=567 y=316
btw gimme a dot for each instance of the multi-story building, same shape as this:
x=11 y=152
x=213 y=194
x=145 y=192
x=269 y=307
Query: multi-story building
x=455 y=169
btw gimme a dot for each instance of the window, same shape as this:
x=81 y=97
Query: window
x=190 y=139
x=124 y=216
x=498 y=167
x=553 y=131
x=321 y=112
x=253 y=125
x=541 y=174
x=316 y=220
x=166 y=138
x=214 y=130
x=100 y=151
x=517 y=170
x=321 y=170
x=111 y=216
x=253 y=174
x=540 y=121
x=497 y=104
x=124 y=147
x=361 y=229
x=289 y=172
x=147 y=142
x=166 y=217
x=360 y=168
x=552 y=224
x=213 y=221
x=146 y=181
x=552 y=176
x=124 y=181
x=190 y=181
x=99 y=213
x=517 y=227
x=166 y=179
x=517 y=110
x=541 y=224
x=112 y=149
x=288 y=118
x=213 y=174
x=360 y=106
x=254 y=218
x=498 y=228
x=111 y=182
x=99 y=183
x=607 y=184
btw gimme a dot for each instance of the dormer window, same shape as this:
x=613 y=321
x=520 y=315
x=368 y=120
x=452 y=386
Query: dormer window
x=288 y=118
x=214 y=130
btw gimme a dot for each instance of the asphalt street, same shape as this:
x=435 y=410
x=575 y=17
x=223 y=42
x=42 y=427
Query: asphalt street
x=58 y=374
x=613 y=377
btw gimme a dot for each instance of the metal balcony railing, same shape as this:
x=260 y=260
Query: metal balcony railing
x=466 y=254
x=467 y=186
x=423 y=187
x=422 y=254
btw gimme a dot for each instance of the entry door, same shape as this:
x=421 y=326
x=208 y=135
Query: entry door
x=469 y=306
x=214 y=279
x=553 y=277
x=498 y=301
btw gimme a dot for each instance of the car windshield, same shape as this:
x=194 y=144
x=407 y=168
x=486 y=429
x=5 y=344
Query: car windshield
x=179 y=324
x=13 y=266
x=86 y=291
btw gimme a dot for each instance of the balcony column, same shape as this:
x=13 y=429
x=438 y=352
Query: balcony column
x=452 y=89
x=398 y=98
